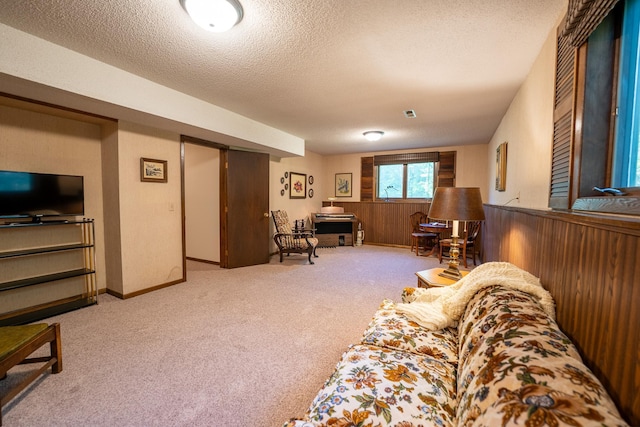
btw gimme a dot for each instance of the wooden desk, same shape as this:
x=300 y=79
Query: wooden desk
x=434 y=227
x=430 y=278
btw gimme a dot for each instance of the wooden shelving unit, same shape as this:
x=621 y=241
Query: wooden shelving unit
x=39 y=242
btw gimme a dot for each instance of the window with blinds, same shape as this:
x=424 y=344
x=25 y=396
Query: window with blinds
x=406 y=176
x=594 y=106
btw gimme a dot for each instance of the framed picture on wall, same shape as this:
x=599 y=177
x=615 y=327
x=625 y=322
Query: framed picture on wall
x=501 y=167
x=152 y=170
x=297 y=185
x=343 y=184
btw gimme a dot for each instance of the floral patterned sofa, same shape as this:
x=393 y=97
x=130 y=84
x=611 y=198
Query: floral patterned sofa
x=506 y=363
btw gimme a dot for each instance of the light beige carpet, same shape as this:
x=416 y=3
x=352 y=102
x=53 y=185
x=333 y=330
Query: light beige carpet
x=242 y=347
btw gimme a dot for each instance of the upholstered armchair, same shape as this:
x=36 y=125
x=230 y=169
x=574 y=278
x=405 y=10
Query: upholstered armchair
x=297 y=240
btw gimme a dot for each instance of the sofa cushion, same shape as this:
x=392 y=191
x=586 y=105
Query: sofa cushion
x=380 y=386
x=394 y=330
x=517 y=368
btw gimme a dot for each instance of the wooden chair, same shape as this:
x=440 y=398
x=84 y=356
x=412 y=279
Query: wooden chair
x=467 y=244
x=417 y=235
x=298 y=240
x=17 y=343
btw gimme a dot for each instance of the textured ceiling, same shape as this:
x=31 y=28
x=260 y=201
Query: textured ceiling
x=323 y=70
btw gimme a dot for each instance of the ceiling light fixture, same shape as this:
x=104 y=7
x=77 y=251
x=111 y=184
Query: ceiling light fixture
x=214 y=15
x=373 y=135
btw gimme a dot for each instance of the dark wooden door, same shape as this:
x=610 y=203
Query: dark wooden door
x=244 y=209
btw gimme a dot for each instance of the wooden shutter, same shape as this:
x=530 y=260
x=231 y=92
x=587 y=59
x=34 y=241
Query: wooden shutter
x=562 y=124
x=447 y=169
x=366 y=179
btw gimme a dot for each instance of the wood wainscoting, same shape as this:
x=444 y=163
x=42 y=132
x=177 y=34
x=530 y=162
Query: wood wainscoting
x=591 y=266
x=384 y=223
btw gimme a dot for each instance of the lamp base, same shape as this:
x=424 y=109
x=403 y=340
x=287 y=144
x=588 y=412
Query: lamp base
x=451 y=273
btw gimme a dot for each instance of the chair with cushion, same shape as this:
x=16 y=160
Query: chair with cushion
x=466 y=244
x=297 y=240
x=17 y=343
x=417 y=235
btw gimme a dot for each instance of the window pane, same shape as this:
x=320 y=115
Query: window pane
x=626 y=164
x=420 y=180
x=390 y=181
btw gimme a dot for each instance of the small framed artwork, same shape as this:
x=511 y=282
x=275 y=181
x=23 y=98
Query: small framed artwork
x=310 y=179
x=311 y=193
x=297 y=185
x=152 y=170
x=501 y=167
x=343 y=184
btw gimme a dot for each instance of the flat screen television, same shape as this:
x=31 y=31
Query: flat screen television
x=37 y=195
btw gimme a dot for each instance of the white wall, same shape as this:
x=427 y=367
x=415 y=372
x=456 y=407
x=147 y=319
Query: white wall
x=527 y=127
x=202 y=202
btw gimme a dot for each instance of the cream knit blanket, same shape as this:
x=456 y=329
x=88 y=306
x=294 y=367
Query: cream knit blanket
x=437 y=308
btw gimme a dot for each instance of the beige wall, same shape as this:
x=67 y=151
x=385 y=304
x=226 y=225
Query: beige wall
x=150 y=212
x=38 y=69
x=527 y=127
x=202 y=202
x=311 y=165
x=144 y=219
x=470 y=168
x=37 y=142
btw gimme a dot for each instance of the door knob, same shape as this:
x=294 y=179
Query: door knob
x=266 y=214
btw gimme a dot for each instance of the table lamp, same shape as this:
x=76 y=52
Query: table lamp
x=332 y=209
x=456 y=204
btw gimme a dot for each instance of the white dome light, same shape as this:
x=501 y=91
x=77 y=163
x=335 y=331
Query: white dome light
x=373 y=135
x=214 y=15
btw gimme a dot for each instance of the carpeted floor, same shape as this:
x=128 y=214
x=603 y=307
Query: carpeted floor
x=242 y=347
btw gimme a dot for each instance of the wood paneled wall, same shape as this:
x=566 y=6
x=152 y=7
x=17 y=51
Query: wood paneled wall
x=384 y=223
x=591 y=266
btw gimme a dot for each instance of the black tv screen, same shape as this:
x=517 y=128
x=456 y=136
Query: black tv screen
x=27 y=194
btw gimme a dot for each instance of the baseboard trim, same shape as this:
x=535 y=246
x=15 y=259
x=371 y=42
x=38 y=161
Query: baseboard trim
x=205 y=261
x=143 y=291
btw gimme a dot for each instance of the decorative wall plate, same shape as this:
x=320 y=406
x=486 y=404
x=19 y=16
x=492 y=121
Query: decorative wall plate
x=282 y=180
x=286 y=186
x=310 y=193
x=282 y=192
x=310 y=179
x=286 y=174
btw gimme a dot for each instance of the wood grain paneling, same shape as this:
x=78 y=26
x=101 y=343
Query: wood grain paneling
x=385 y=223
x=591 y=266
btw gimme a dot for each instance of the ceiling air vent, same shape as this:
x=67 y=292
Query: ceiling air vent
x=410 y=114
